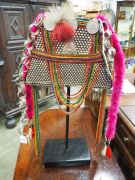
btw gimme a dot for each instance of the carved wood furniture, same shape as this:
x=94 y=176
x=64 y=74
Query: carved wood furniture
x=125 y=140
x=15 y=18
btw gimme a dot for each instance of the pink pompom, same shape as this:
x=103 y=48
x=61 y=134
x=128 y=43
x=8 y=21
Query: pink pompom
x=33 y=29
x=27 y=52
x=29 y=45
x=24 y=75
x=25 y=60
x=64 y=32
x=39 y=17
x=24 y=68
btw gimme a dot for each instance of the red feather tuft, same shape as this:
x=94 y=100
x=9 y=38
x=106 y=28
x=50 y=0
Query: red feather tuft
x=64 y=32
x=108 y=152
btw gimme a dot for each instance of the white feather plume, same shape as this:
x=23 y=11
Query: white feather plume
x=58 y=14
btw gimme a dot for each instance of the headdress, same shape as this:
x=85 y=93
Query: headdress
x=66 y=51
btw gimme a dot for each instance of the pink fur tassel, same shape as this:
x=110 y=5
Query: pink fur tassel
x=29 y=102
x=39 y=17
x=119 y=67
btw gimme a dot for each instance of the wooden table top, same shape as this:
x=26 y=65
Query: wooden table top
x=82 y=124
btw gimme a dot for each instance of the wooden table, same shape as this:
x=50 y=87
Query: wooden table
x=82 y=124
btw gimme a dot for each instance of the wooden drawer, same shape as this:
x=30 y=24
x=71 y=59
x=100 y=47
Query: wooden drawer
x=126 y=138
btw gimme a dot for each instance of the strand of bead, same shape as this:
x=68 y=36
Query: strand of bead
x=85 y=84
x=58 y=95
x=73 y=96
x=77 y=101
x=89 y=88
x=59 y=100
x=104 y=31
x=59 y=90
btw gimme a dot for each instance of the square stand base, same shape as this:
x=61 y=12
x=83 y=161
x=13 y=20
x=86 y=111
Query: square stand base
x=55 y=154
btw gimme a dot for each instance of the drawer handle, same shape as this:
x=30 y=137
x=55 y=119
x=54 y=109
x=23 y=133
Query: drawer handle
x=125 y=139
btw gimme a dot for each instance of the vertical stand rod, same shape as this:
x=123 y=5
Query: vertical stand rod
x=67 y=119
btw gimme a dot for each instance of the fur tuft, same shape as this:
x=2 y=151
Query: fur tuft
x=119 y=67
x=63 y=32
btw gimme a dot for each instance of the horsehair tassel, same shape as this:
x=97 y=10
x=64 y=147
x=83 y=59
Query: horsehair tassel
x=107 y=150
x=64 y=32
x=119 y=66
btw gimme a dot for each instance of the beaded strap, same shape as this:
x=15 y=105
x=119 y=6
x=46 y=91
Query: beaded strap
x=80 y=97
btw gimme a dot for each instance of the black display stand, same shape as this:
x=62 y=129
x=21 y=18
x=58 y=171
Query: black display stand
x=66 y=152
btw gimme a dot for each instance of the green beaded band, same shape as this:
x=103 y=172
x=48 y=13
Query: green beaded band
x=36 y=120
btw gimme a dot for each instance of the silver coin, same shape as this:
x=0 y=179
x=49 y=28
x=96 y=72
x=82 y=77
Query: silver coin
x=92 y=26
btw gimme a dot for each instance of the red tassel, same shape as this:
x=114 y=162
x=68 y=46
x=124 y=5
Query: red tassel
x=108 y=152
x=33 y=132
x=64 y=32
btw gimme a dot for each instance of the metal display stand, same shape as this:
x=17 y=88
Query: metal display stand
x=66 y=152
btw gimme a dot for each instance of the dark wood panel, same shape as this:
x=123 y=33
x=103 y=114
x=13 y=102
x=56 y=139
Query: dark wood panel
x=126 y=138
x=14 y=56
x=36 y=9
x=1 y=92
x=15 y=20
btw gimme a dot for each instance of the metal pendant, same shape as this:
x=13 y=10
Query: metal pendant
x=92 y=26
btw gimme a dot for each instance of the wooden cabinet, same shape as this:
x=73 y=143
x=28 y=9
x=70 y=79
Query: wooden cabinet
x=15 y=20
x=15 y=17
x=124 y=143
